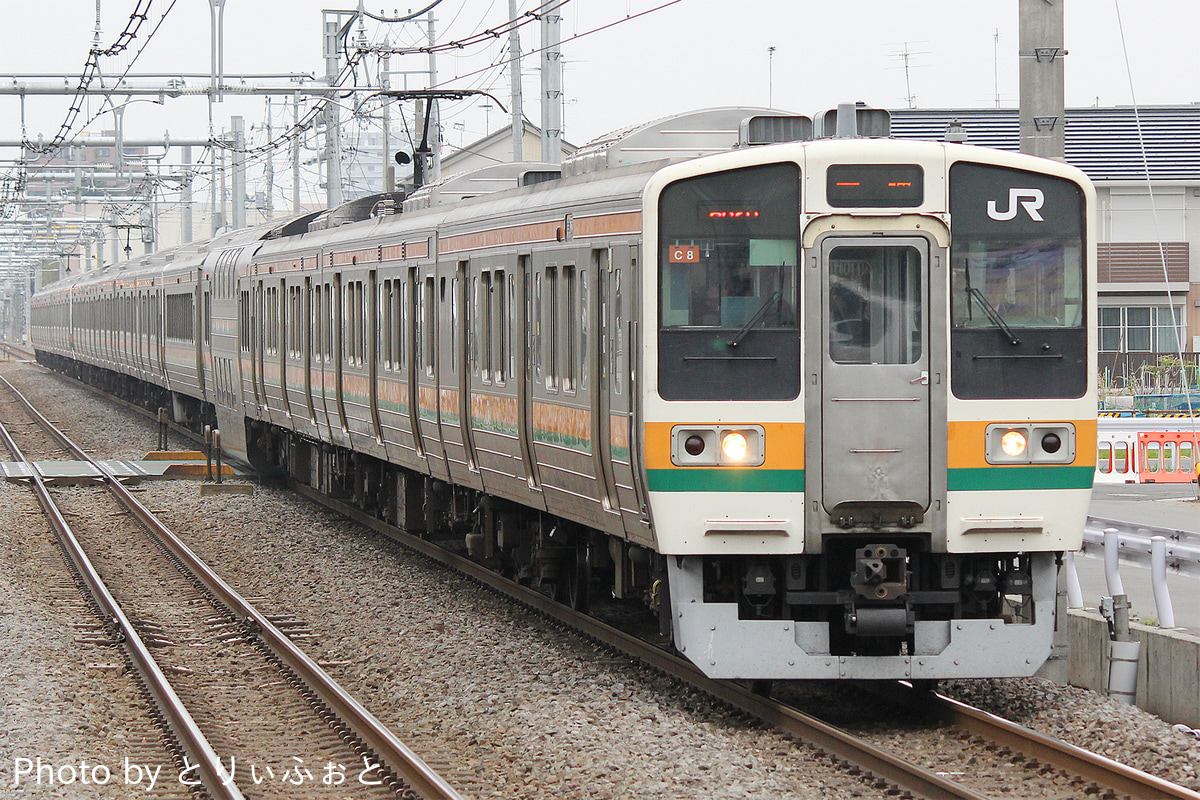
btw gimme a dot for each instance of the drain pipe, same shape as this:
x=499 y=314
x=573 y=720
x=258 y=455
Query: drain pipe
x=1123 y=653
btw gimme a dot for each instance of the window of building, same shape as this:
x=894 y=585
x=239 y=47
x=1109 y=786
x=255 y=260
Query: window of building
x=1141 y=329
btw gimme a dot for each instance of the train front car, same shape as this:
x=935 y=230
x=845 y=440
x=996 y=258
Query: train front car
x=869 y=412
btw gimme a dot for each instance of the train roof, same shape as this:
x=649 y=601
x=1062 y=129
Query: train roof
x=613 y=169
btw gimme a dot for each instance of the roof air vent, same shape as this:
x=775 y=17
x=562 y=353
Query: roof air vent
x=772 y=129
x=854 y=120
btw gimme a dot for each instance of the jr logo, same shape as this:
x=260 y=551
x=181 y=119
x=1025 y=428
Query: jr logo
x=1029 y=199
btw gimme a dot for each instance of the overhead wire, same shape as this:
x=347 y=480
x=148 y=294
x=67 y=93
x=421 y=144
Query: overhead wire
x=1185 y=382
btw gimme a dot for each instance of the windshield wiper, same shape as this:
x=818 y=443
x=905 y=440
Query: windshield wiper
x=993 y=315
x=755 y=318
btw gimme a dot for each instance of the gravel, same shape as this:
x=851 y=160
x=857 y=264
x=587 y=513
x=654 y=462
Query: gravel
x=505 y=703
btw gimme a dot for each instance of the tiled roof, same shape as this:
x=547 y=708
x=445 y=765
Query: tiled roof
x=1103 y=142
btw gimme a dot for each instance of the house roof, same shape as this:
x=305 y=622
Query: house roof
x=1103 y=142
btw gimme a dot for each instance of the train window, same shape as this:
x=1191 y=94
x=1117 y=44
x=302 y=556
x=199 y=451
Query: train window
x=481 y=351
x=407 y=313
x=244 y=327
x=362 y=298
x=394 y=337
x=875 y=305
x=618 y=335
x=500 y=291
x=1017 y=293
x=727 y=286
x=552 y=332
x=582 y=316
x=428 y=311
x=536 y=336
x=570 y=371
x=384 y=344
x=353 y=326
x=317 y=321
x=272 y=320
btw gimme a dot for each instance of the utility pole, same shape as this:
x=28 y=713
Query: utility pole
x=385 y=83
x=217 y=21
x=552 y=93
x=1043 y=115
x=239 y=173
x=269 y=176
x=185 y=211
x=435 y=123
x=514 y=71
x=296 y=154
x=333 y=133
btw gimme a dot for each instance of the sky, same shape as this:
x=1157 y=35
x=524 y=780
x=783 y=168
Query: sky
x=626 y=61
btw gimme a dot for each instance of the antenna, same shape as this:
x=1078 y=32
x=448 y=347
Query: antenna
x=906 y=56
x=996 y=65
x=771 y=76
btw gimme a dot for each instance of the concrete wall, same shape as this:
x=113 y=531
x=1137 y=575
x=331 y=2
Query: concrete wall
x=1168 y=665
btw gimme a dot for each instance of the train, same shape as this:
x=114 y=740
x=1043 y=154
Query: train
x=823 y=400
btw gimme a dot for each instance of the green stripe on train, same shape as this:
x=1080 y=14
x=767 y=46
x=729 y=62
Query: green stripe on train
x=699 y=479
x=1019 y=478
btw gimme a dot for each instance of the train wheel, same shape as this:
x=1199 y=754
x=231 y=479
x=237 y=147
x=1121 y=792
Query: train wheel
x=575 y=580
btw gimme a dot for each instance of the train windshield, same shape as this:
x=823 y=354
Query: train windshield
x=1026 y=284
x=728 y=326
x=1017 y=284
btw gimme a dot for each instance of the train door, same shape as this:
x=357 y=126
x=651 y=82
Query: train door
x=412 y=313
x=256 y=337
x=283 y=342
x=601 y=399
x=372 y=352
x=340 y=306
x=525 y=371
x=307 y=333
x=874 y=381
x=467 y=299
x=160 y=322
x=201 y=328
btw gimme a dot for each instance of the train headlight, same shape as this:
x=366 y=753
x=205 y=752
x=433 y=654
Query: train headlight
x=1030 y=443
x=1013 y=444
x=718 y=446
x=733 y=446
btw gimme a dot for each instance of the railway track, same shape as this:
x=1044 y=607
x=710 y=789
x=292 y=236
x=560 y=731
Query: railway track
x=988 y=739
x=16 y=352
x=1077 y=770
x=206 y=715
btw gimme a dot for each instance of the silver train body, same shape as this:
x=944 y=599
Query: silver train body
x=828 y=406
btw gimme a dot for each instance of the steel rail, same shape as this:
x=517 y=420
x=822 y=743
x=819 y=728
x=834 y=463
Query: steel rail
x=1107 y=773
x=217 y=781
x=386 y=745
x=17 y=351
x=883 y=764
